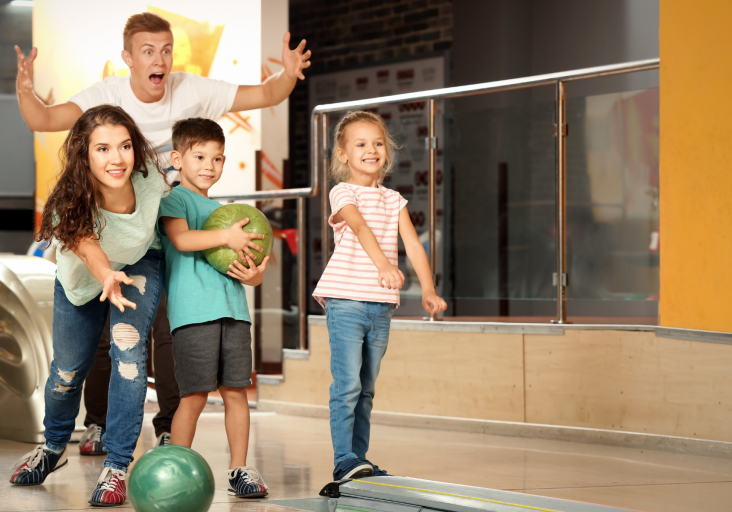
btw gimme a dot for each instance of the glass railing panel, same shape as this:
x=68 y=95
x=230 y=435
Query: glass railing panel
x=613 y=239
x=275 y=303
x=499 y=212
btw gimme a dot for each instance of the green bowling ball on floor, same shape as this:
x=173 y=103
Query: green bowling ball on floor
x=171 y=478
x=224 y=217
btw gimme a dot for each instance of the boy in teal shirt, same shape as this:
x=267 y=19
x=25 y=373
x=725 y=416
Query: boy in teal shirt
x=208 y=312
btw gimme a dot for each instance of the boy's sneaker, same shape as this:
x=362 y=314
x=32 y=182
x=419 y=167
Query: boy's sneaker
x=33 y=467
x=91 y=441
x=377 y=470
x=163 y=439
x=246 y=482
x=111 y=490
x=353 y=468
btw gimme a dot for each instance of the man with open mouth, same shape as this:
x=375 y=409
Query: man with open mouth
x=153 y=96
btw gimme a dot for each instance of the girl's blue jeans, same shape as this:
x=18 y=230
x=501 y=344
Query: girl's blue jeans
x=359 y=334
x=76 y=332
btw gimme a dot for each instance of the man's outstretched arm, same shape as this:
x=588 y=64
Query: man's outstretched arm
x=39 y=117
x=277 y=87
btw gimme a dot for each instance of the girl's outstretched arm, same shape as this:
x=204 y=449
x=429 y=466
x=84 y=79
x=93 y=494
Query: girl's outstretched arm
x=415 y=252
x=389 y=275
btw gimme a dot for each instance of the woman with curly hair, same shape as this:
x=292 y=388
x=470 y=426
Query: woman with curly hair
x=102 y=212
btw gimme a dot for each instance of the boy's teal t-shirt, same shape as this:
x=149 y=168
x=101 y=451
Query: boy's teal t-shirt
x=195 y=291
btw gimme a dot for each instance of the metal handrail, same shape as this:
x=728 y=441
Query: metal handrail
x=497 y=86
x=319 y=152
x=300 y=194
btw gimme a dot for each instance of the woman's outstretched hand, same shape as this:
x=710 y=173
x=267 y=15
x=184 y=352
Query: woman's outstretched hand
x=111 y=290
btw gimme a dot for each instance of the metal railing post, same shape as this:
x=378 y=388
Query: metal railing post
x=302 y=291
x=432 y=192
x=561 y=131
x=325 y=190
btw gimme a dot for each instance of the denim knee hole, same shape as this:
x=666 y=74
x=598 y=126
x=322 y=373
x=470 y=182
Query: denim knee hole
x=128 y=370
x=139 y=283
x=64 y=377
x=125 y=336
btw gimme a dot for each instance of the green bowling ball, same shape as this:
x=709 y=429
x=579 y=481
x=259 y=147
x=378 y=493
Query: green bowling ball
x=171 y=478
x=223 y=217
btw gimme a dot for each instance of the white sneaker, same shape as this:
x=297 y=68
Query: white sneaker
x=246 y=482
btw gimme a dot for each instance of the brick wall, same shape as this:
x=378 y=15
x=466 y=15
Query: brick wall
x=350 y=33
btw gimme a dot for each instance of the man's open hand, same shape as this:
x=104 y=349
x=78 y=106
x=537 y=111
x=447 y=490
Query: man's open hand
x=24 y=83
x=294 y=60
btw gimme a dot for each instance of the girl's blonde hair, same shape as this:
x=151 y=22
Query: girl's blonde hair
x=338 y=170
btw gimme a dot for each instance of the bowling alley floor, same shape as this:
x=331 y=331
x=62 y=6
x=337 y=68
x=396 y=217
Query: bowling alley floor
x=295 y=458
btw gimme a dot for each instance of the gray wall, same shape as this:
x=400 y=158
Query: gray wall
x=500 y=39
x=17 y=167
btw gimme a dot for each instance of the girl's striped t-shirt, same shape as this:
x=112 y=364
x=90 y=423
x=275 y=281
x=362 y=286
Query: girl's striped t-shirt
x=350 y=273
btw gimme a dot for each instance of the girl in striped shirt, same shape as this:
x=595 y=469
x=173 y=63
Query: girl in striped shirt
x=360 y=286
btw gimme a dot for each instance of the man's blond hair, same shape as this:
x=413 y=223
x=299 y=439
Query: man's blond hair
x=143 y=22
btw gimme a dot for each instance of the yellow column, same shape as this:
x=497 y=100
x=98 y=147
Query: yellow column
x=696 y=164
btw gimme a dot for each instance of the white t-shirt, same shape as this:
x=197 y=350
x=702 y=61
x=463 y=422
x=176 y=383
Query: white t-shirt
x=186 y=95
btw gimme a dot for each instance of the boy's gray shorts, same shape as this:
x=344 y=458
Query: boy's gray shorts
x=213 y=354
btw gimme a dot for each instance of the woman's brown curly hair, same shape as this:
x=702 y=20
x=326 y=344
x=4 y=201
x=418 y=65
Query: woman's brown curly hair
x=72 y=210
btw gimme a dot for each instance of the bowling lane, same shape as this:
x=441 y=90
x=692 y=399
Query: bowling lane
x=294 y=456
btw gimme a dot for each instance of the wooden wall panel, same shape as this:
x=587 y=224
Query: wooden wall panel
x=306 y=381
x=617 y=380
x=447 y=374
x=630 y=381
x=468 y=375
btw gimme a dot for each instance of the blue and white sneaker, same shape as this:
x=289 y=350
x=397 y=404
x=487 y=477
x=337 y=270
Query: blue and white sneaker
x=33 y=467
x=246 y=482
x=377 y=470
x=353 y=468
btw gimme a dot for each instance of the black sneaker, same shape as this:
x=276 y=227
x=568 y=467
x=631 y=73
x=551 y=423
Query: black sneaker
x=33 y=467
x=91 y=441
x=377 y=470
x=246 y=482
x=163 y=439
x=352 y=468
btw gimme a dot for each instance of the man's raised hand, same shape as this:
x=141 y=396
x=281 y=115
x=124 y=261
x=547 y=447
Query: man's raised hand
x=294 y=60
x=24 y=84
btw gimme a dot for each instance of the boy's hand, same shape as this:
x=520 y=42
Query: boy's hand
x=111 y=290
x=241 y=241
x=24 y=83
x=390 y=277
x=295 y=60
x=433 y=304
x=252 y=276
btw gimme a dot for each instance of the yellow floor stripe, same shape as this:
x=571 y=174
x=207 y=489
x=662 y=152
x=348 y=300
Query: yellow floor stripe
x=458 y=496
